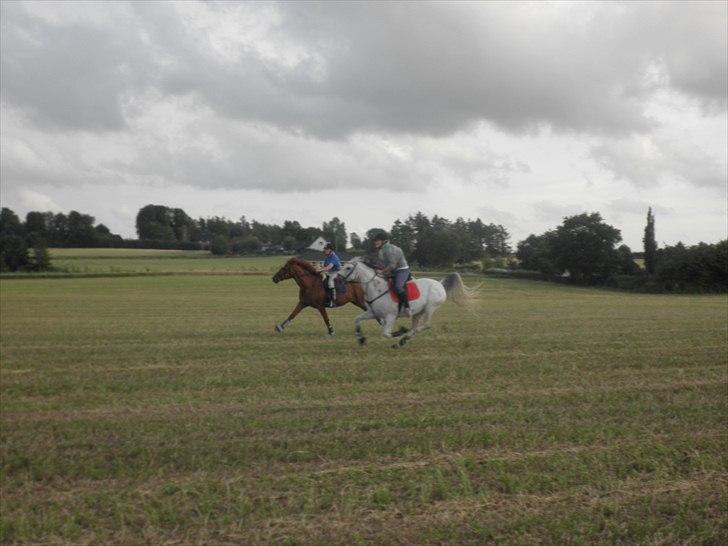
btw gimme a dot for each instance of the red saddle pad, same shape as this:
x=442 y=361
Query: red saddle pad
x=413 y=292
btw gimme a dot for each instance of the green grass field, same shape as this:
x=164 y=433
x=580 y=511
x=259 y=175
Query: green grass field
x=165 y=410
x=96 y=253
x=128 y=260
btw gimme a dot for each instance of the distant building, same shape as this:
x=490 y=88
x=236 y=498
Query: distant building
x=318 y=244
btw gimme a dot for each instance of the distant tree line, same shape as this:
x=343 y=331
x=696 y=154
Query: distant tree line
x=224 y=236
x=437 y=241
x=427 y=242
x=584 y=248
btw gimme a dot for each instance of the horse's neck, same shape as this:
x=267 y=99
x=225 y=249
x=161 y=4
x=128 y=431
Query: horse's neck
x=302 y=278
x=375 y=282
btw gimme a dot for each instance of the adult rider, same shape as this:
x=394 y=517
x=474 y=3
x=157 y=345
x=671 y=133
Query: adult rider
x=394 y=265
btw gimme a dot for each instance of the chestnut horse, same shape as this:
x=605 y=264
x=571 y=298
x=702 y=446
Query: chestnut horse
x=312 y=293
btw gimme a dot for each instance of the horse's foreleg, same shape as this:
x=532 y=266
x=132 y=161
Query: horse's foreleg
x=325 y=316
x=388 y=324
x=282 y=326
x=357 y=326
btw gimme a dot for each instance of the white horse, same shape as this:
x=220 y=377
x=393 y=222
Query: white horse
x=384 y=310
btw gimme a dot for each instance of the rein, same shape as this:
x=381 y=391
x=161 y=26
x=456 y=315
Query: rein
x=369 y=302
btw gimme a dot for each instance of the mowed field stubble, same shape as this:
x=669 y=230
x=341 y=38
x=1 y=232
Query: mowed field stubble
x=166 y=410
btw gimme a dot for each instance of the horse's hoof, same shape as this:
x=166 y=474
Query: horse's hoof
x=402 y=330
x=362 y=340
x=402 y=341
x=279 y=328
x=332 y=334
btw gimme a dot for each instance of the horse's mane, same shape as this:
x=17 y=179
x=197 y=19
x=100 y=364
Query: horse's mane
x=304 y=264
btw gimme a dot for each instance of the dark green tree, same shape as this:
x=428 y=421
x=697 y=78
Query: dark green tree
x=356 y=242
x=335 y=233
x=39 y=259
x=182 y=225
x=219 y=246
x=10 y=223
x=698 y=267
x=246 y=245
x=419 y=223
x=161 y=223
x=627 y=265
x=403 y=235
x=584 y=245
x=59 y=229
x=437 y=247
x=13 y=252
x=496 y=238
x=650 y=245
x=535 y=253
x=80 y=230
x=36 y=227
x=289 y=243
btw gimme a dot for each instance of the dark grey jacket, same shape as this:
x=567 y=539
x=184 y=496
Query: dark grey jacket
x=392 y=257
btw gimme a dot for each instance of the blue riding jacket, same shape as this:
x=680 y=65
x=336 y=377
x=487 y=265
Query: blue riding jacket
x=332 y=259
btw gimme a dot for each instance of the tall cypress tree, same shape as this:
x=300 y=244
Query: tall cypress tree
x=650 y=243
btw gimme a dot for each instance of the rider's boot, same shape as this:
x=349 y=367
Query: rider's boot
x=332 y=298
x=404 y=303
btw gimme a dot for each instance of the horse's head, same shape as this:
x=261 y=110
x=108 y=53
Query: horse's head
x=352 y=269
x=284 y=272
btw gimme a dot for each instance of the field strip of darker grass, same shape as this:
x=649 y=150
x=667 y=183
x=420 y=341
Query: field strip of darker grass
x=462 y=426
x=317 y=389
x=205 y=357
x=624 y=335
x=245 y=342
x=290 y=473
x=146 y=448
x=383 y=394
x=500 y=518
x=218 y=511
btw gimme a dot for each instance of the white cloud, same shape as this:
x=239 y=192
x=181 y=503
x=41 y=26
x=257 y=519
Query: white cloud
x=369 y=111
x=34 y=200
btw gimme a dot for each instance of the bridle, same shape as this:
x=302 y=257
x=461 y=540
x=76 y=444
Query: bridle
x=374 y=276
x=356 y=264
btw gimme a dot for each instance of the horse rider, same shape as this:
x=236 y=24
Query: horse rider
x=330 y=269
x=394 y=265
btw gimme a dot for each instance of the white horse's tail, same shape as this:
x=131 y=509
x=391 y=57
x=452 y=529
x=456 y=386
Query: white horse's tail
x=458 y=291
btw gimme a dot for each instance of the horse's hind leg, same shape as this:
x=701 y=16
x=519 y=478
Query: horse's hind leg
x=282 y=326
x=426 y=318
x=420 y=323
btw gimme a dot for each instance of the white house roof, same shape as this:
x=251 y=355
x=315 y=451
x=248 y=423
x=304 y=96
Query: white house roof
x=318 y=244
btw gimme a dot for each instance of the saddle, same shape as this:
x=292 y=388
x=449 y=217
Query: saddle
x=413 y=292
x=339 y=283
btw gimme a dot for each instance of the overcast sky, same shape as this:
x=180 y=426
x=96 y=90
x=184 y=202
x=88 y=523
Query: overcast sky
x=517 y=113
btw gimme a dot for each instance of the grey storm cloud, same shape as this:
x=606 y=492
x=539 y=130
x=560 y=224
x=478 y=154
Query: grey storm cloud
x=646 y=161
x=424 y=68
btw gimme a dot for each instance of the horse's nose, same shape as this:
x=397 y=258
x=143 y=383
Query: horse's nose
x=275 y=279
